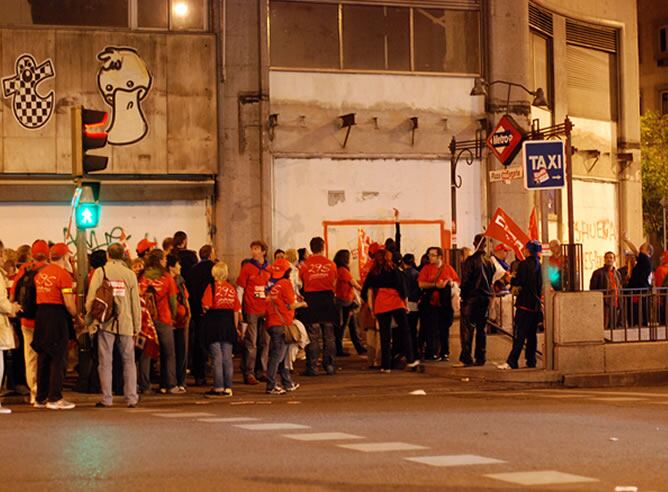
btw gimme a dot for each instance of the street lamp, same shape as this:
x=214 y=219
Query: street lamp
x=480 y=89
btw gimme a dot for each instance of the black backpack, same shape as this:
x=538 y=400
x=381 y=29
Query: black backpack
x=26 y=293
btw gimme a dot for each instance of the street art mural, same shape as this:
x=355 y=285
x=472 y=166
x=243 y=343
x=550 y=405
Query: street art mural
x=124 y=82
x=31 y=110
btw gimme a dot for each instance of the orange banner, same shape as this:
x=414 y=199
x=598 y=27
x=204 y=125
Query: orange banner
x=503 y=229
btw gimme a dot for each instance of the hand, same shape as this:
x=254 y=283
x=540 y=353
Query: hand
x=16 y=308
x=396 y=213
x=441 y=284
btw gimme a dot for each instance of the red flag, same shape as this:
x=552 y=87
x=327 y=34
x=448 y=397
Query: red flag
x=503 y=229
x=533 y=225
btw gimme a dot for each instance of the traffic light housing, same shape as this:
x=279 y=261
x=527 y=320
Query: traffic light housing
x=88 y=133
x=87 y=211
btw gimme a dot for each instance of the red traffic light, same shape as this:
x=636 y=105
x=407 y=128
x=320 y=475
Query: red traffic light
x=94 y=124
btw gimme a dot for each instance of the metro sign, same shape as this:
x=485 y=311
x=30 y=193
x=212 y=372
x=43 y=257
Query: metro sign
x=506 y=140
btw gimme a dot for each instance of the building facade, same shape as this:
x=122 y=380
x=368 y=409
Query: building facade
x=653 y=49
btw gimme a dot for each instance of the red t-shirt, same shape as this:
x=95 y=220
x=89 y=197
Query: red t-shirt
x=318 y=274
x=281 y=296
x=387 y=300
x=165 y=287
x=253 y=280
x=51 y=283
x=344 y=287
x=25 y=322
x=225 y=298
x=433 y=273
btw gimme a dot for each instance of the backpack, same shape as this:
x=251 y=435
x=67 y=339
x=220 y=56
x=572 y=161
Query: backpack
x=104 y=308
x=150 y=296
x=26 y=293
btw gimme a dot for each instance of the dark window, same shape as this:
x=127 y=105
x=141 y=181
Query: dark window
x=542 y=64
x=663 y=40
x=664 y=102
x=592 y=83
x=376 y=38
x=153 y=14
x=103 y=13
x=304 y=35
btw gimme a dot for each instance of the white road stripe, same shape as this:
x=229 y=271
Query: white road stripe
x=278 y=426
x=617 y=398
x=323 y=436
x=227 y=419
x=545 y=477
x=378 y=447
x=175 y=415
x=454 y=460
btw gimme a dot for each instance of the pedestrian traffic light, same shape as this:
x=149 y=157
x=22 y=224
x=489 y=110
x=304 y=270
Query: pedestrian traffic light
x=87 y=211
x=88 y=133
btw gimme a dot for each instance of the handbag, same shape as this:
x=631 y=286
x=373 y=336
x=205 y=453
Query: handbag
x=292 y=333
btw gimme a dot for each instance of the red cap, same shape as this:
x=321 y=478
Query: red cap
x=59 y=250
x=144 y=245
x=40 y=247
x=279 y=267
x=374 y=248
x=502 y=247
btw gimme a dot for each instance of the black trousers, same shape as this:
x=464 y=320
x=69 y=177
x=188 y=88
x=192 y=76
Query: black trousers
x=438 y=321
x=526 y=327
x=403 y=331
x=413 y=318
x=472 y=324
x=181 y=356
x=197 y=351
x=50 y=375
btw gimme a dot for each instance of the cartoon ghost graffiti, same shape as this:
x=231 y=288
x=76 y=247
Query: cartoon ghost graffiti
x=31 y=110
x=124 y=81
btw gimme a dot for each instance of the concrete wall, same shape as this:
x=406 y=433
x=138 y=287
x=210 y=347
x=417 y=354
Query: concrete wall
x=652 y=14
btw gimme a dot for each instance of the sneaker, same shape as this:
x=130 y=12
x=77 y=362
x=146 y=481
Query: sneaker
x=215 y=394
x=479 y=363
x=387 y=371
x=330 y=370
x=39 y=404
x=174 y=391
x=181 y=389
x=504 y=367
x=228 y=392
x=99 y=404
x=277 y=390
x=163 y=391
x=60 y=405
x=4 y=410
x=460 y=364
x=133 y=405
x=310 y=373
x=294 y=387
x=261 y=378
x=413 y=364
x=250 y=380
x=444 y=358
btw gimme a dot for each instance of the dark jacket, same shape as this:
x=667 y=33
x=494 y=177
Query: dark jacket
x=600 y=279
x=477 y=274
x=641 y=272
x=197 y=280
x=529 y=279
x=388 y=279
x=188 y=259
x=411 y=276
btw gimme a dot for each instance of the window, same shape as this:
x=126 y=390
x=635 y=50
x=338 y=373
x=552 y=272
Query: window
x=541 y=75
x=663 y=100
x=592 y=83
x=663 y=40
x=304 y=35
x=343 y=36
x=174 y=15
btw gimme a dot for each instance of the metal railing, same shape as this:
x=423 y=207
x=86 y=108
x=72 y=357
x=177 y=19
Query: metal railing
x=636 y=315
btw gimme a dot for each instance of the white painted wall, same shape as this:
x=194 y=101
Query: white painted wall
x=420 y=189
x=22 y=223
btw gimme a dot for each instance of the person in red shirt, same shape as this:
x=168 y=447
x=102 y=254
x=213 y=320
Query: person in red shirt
x=252 y=283
x=55 y=309
x=346 y=286
x=157 y=282
x=385 y=291
x=219 y=328
x=435 y=280
x=281 y=307
x=318 y=274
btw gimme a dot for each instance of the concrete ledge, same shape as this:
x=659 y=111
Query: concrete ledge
x=642 y=378
x=637 y=356
x=489 y=372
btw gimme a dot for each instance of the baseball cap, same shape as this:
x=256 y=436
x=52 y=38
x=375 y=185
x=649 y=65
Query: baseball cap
x=59 y=250
x=374 y=248
x=501 y=247
x=144 y=245
x=279 y=267
x=40 y=247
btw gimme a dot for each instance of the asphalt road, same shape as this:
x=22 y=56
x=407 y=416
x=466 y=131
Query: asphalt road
x=354 y=431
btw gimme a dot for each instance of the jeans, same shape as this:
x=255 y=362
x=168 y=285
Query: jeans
x=403 y=332
x=347 y=320
x=167 y=355
x=473 y=322
x=526 y=327
x=223 y=368
x=277 y=351
x=144 y=373
x=316 y=332
x=180 y=356
x=106 y=342
x=31 y=361
x=256 y=340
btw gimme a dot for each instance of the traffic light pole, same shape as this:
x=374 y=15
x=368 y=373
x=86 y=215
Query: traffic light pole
x=77 y=174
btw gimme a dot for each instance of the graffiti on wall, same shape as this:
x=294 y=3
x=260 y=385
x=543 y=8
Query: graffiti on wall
x=31 y=110
x=93 y=242
x=124 y=82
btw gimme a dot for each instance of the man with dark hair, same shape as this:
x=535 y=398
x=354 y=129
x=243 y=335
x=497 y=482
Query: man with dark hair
x=476 y=291
x=144 y=247
x=120 y=329
x=318 y=274
x=251 y=284
x=187 y=257
x=198 y=279
x=279 y=254
x=608 y=279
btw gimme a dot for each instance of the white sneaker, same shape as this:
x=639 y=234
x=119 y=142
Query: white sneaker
x=415 y=363
x=385 y=370
x=174 y=391
x=182 y=389
x=39 y=405
x=504 y=366
x=294 y=387
x=4 y=410
x=60 y=405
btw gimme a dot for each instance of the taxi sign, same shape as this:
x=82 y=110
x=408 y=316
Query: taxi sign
x=506 y=140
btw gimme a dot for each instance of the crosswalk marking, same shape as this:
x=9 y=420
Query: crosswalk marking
x=227 y=419
x=175 y=415
x=323 y=436
x=545 y=477
x=276 y=426
x=617 y=398
x=454 y=460
x=377 y=447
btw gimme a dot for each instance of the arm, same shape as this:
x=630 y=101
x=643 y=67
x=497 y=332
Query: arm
x=397 y=230
x=173 y=292
x=70 y=303
x=355 y=284
x=95 y=283
x=135 y=304
x=7 y=307
x=207 y=299
x=631 y=246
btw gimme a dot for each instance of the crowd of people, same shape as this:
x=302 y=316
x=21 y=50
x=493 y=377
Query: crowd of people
x=172 y=311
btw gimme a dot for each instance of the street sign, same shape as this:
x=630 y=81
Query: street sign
x=506 y=139
x=506 y=175
x=544 y=164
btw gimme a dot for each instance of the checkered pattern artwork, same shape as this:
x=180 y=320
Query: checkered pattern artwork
x=31 y=110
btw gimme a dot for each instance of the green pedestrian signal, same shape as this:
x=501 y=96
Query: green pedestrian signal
x=87 y=215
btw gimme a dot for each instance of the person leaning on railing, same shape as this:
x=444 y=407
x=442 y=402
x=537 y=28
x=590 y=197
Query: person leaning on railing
x=608 y=279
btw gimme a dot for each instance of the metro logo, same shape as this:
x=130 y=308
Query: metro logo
x=506 y=140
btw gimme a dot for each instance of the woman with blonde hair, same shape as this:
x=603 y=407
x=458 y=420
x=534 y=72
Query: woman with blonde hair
x=7 y=310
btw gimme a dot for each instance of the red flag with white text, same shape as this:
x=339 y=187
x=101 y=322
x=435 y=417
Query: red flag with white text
x=504 y=229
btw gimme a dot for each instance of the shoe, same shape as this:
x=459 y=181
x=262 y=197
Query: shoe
x=413 y=364
x=310 y=373
x=261 y=378
x=444 y=358
x=294 y=387
x=181 y=389
x=250 y=380
x=163 y=391
x=461 y=364
x=174 y=390
x=200 y=382
x=387 y=371
x=214 y=394
x=330 y=370
x=133 y=405
x=60 y=405
x=39 y=404
x=277 y=390
x=4 y=410
x=228 y=392
x=362 y=351
x=99 y=404
x=505 y=366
